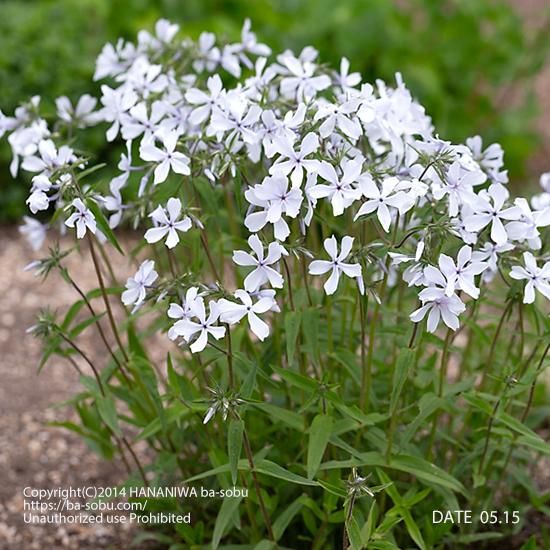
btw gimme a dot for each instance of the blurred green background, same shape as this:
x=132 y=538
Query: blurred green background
x=464 y=59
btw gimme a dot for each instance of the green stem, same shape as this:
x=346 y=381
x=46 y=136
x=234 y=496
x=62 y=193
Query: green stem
x=524 y=416
x=93 y=313
x=491 y=356
x=393 y=418
x=106 y=298
x=306 y=282
x=108 y=264
x=250 y=458
x=488 y=436
x=289 y=280
x=365 y=374
x=85 y=357
x=229 y=358
x=206 y=246
x=349 y=515
x=370 y=353
x=330 y=335
x=442 y=377
x=136 y=460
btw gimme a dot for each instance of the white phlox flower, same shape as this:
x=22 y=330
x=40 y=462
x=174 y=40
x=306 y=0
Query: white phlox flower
x=232 y=312
x=275 y=199
x=299 y=80
x=114 y=203
x=140 y=122
x=168 y=223
x=527 y=227
x=488 y=208
x=344 y=78
x=438 y=305
x=166 y=158
x=538 y=278
x=49 y=159
x=263 y=272
x=204 y=102
x=39 y=199
x=458 y=186
x=83 y=219
x=342 y=190
x=184 y=311
x=380 y=200
x=460 y=275
x=82 y=114
x=340 y=116
x=136 y=286
x=196 y=332
x=115 y=104
x=294 y=160
x=336 y=265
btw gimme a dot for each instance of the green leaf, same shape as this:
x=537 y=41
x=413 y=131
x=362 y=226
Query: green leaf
x=228 y=508
x=295 y=379
x=174 y=414
x=283 y=521
x=319 y=434
x=263 y=466
x=531 y=544
x=354 y=533
x=413 y=465
x=251 y=368
x=207 y=192
x=310 y=328
x=274 y=470
x=91 y=170
x=76 y=330
x=402 y=510
x=134 y=342
x=428 y=404
x=173 y=378
x=151 y=429
x=71 y=314
x=527 y=436
x=107 y=410
x=234 y=446
x=427 y=471
x=355 y=413
x=412 y=528
x=536 y=443
x=481 y=537
x=382 y=545
x=292 y=329
x=348 y=360
x=368 y=528
x=90 y=383
x=292 y=419
x=102 y=224
x=405 y=360
x=338 y=489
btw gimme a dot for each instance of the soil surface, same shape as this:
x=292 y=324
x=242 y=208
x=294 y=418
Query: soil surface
x=33 y=454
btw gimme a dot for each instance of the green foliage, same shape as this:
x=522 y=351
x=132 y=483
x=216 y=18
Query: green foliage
x=344 y=429
x=462 y=59
x=328 y=470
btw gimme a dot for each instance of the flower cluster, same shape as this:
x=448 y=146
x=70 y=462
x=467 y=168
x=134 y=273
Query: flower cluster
x=309 y=143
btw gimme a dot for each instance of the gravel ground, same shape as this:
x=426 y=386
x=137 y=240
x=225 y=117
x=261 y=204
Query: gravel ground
x=31 y=453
